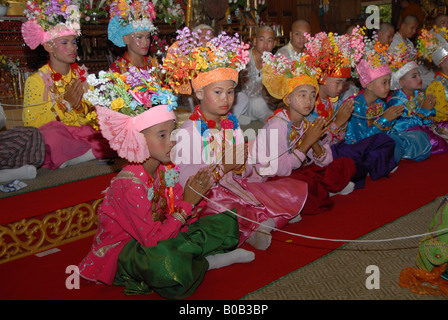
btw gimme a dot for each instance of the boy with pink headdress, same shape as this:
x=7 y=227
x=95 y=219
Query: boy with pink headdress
x=150 y=236
x=372 y=117
x=53 y=98
x=366 y=141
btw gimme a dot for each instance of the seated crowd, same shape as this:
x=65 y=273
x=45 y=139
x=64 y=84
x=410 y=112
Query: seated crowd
x=334 y=109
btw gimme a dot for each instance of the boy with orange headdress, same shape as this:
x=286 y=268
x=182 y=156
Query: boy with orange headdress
x=212 y=135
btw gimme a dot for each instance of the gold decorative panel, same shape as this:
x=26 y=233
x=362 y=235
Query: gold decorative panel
x=29 y=236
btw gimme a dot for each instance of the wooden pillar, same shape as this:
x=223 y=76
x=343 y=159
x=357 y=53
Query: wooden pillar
x=189 y=12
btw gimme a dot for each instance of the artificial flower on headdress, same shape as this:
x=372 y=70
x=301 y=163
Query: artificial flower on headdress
x=128 y=103
x=375 y=62
x=128 y=16
x=281 y=75
x=221 y=59
x=169 y=11
x=49 y=20
x=333 y=55
x=430 y=48
x=135 y=91
x=402 y=60
x=442 y=32
x=427 y=43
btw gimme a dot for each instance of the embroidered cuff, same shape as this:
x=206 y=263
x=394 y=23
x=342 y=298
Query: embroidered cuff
x=320 y=158
x=425 y=113
x=383 y=124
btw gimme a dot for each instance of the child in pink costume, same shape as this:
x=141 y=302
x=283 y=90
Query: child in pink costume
x=302 y=153
x=53 y=97
x=150 y=235
x=212 y=134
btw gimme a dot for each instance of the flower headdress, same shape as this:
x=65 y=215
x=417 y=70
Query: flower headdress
x=375 y=62
x=128 y=103
x=50 y=20
x=440 y=33
x=430 y=48
x=281 y=75
x=221 y=59
x=402 y=60
x=127 y=16
x=334 y=55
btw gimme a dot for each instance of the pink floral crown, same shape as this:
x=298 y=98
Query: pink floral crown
x=50 y=20
x=375 y=62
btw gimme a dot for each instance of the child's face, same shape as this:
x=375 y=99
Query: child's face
x=302 y=99
x=64 y=49
x=138 y=42
x=411 y=80
x=217 y=98
x=334 y=87
x=159 y=142
x=380 y=86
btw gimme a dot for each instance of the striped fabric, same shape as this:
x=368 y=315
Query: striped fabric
x=20 y=146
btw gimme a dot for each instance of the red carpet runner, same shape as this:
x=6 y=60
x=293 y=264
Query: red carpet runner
x=413 y=185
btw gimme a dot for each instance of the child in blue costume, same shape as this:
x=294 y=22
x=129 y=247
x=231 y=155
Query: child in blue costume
x=418 y=110
x=365 y=139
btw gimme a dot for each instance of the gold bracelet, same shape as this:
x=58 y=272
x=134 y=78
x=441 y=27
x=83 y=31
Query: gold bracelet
x=324 y=151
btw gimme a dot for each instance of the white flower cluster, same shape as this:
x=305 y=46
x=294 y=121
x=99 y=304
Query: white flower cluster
x=103 y=93
x=290 y=68
x=144 y=24
x=279 y=63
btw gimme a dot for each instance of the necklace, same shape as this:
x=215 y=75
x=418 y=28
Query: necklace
x=125 y=66
x=228 y=121
x=164 y=192
x=294 y=130
x=322 y=109
x=58 y=78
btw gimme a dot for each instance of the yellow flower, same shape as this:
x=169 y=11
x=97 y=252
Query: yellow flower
x=117 y=104
x=123 y=6
x=92 y=117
